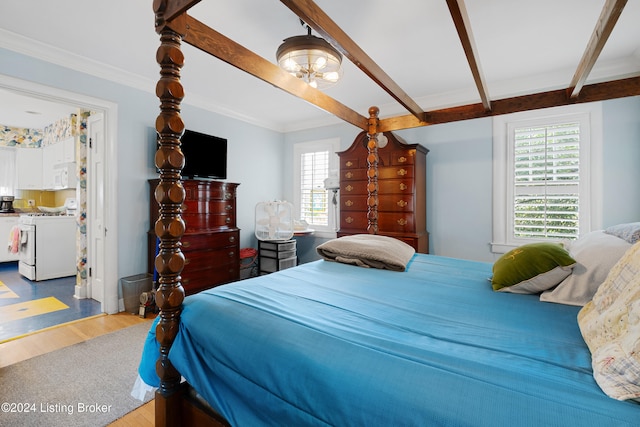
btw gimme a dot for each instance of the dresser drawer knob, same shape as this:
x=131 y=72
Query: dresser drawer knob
x=348 y=175
x=402 y=172
x=349 y=188
x=232 y=239
x=187 y=261
x=231 y=254
x=228 y=220
x=402 y=221
x=228 y=196
x=228 y=207
x=403 y=186
x=402 y=203
x=348 y=203
x=402 y=159
x=186 y=244
x=348 y=220
x=349 y=163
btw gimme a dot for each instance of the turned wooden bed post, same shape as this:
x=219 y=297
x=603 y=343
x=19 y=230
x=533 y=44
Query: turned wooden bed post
x=372 y=171
x=169 y=227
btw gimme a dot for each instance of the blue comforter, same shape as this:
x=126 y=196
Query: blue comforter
x=332 y=344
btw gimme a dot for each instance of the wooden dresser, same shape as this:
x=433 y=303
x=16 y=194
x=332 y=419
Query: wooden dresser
x=402 y=189
x=211 y=241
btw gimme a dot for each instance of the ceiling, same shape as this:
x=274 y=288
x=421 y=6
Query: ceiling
x=522 y=47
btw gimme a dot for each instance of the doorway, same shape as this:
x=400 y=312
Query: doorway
x=104 y=185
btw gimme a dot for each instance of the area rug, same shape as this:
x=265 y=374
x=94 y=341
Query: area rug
x=86 y=384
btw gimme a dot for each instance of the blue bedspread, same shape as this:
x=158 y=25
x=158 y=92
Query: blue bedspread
x=332 y=344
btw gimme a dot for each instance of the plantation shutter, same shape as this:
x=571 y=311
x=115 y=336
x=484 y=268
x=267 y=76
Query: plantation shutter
x=314 y=169
x=546 y=181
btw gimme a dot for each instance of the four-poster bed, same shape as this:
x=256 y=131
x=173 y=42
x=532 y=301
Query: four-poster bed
x=176 y=403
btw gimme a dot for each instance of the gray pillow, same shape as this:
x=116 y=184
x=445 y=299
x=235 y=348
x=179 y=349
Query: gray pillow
x=595 y=254
x=629 y=232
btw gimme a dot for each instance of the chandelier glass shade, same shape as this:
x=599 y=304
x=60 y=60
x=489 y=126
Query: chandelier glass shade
x=311 y=59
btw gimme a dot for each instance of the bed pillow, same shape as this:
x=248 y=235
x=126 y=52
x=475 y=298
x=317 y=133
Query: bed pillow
x=629 y=232
x=595 y=254
x=531 y=268
x=368 y=250
x=610 y=325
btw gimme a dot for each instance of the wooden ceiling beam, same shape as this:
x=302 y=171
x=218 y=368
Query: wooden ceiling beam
x=460 y=17
x=173 y=8
x=207 y=39
x=312 y=15
x=590 y=93
x=607 y=21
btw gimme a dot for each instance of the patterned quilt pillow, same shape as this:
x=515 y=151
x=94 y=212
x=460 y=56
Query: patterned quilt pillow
x=610 y=325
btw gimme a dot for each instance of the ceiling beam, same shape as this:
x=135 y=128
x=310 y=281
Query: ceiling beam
x=173 y=8
x=460 y=17
x=590 y=93
x=207 y=39
x=312 y=15
x=607 y=21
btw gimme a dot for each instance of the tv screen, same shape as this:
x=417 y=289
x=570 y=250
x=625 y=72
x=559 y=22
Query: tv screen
x=205 y=156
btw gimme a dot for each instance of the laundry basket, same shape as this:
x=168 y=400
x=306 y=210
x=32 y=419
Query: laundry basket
x=248 y=263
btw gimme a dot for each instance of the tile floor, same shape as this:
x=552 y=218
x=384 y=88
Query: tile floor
x=27 y=306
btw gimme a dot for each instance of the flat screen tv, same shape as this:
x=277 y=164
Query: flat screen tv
x=205 y=156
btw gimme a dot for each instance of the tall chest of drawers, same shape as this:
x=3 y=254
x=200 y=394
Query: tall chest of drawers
x=402 y=186
x=211 y=241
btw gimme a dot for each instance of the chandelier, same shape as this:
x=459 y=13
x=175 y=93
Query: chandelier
x=311 y=59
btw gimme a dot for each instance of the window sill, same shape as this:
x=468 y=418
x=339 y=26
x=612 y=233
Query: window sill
x=501 y=248
x=324 y=234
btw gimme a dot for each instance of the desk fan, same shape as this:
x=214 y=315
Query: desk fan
x=274 y=220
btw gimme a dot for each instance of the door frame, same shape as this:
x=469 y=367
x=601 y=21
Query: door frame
x=110 y=112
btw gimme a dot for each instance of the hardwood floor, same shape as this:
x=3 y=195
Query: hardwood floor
x=61 y=336
x=144 y=416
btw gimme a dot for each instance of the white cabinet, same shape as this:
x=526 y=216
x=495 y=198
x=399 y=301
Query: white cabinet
x=52 y=155
x=48 y=168
x=6 y=225
x=69 y=150
x=57 y=168
x=29 y=168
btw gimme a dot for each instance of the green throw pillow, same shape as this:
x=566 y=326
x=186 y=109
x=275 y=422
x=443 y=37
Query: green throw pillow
x=531 y=268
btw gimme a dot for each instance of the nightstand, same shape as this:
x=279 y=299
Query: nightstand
x=276 y=255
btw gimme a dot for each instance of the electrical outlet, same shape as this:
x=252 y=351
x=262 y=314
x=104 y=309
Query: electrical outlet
x=31 y=203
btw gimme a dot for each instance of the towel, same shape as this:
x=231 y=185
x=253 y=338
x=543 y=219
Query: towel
x=368 y=250
x=14 y=239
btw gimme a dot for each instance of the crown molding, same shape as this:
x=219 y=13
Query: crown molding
x=54 y=55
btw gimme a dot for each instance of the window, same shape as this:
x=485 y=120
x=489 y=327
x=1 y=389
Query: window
x=546 y=175
x=313 y=161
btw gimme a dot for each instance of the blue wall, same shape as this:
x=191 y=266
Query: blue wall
x=252 y=151
x=459 y=177
x=459 y=165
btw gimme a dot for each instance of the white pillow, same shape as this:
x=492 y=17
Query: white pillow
x=595 y=254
